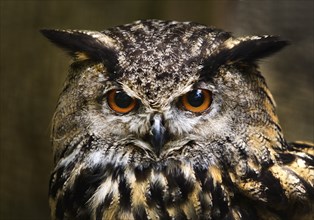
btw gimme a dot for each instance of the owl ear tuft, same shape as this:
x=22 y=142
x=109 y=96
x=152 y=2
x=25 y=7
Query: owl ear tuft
x=249 y=48
x=253 y=47
x=82 y=45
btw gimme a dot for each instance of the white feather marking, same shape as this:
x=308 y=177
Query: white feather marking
x=107 y=187
x=95 y=158
x=65 y=161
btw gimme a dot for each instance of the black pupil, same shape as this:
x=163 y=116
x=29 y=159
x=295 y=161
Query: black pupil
x=195 y=98
x=123 y=100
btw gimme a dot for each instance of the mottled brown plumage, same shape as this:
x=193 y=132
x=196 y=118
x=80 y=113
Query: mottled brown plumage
x=173 y=120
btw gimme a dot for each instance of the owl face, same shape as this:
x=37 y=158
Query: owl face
x=161 y=85
x=152 y=105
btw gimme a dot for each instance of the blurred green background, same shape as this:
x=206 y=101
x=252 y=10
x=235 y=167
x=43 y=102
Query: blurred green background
x=33 y=71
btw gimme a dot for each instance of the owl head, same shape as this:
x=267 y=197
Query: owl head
x=165 y=102
x=157 y=89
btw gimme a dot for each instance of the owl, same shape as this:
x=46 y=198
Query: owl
x=172 y=120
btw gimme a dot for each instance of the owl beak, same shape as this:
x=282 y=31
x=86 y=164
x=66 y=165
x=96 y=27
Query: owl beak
x=157 y=133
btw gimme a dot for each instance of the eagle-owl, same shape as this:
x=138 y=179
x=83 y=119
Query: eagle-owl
x=172 y=120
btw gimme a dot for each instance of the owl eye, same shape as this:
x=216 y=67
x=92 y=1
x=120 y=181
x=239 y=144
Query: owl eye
x=197 y=100
x=120 y=102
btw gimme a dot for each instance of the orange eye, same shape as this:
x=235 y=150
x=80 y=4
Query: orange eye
x=120 y=102
x=197 y=100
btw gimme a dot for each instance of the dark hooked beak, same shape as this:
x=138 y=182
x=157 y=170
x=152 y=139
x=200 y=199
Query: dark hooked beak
x=157 y=134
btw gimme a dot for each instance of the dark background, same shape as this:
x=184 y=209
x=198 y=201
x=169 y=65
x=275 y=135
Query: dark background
x=33 y=71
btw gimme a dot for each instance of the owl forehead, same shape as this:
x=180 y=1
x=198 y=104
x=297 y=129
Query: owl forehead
x=158 y=58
